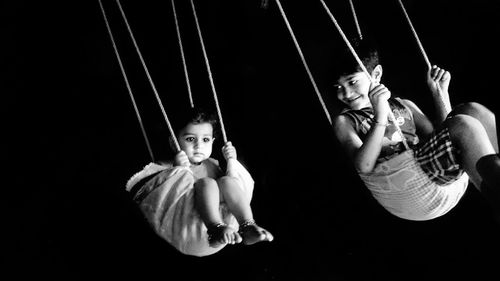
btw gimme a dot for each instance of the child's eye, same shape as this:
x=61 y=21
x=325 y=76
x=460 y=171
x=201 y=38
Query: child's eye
x=190 y=139
x=352 y=82
x=207 y=139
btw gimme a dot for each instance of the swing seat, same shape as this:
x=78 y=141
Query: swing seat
x=167 y=202
x=408 y=193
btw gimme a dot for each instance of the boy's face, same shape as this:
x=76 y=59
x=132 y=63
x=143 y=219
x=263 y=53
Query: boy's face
x=353 y=90
x=197 y=140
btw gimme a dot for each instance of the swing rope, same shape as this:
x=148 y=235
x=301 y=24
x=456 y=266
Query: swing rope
x=302 y=58
x=224 y=137
x=124 y=74
x=182 y=53
x=172 y=133
x=358 y=28
x=391 y=114
x=447 y=105
x=420 y=46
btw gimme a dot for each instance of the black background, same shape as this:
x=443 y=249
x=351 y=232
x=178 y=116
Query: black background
x=73 y=138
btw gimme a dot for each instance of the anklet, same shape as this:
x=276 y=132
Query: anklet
x=247 y=223
x=216 y=225
x=211 y=228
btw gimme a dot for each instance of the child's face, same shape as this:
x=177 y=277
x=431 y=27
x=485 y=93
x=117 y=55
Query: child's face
x=197 y=140
x=353 y=90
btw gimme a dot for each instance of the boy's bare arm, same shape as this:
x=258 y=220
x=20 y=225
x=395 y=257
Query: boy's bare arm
x=363 y=154
x=438 y=81
x=423 y=124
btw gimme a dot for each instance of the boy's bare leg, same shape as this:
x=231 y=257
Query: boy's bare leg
x=239 y=205
x=488 y=165
x=207 y=198
x=485 y=116
x=469 y=135
x=479 y=157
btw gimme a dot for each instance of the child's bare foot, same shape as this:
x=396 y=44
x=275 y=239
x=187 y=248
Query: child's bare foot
x=252 y=233
x=222 y=234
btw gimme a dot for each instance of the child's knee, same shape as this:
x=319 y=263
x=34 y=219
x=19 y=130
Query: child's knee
x=473 y=109
x=462 y=125
x=205 y=183
x=466 y=131
x=227 y=181
x=232 y=188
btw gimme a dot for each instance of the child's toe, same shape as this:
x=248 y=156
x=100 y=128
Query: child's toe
x=237 y=237
x=270 y=237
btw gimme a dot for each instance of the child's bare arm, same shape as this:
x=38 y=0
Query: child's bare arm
x=438 y=80
x=363 y=154
x=423 y=124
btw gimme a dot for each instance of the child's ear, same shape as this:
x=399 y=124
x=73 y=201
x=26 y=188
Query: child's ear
x=377 y=73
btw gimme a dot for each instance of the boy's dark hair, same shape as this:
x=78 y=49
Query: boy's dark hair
x=346 y=64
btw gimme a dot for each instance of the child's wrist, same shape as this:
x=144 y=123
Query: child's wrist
x=179 y=163
x=380 y=123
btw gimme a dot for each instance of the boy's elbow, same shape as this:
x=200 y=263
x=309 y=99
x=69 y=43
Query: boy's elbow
x=364 y=168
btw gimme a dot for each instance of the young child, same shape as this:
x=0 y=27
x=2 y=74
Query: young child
x=428 y=179
x=190 y=201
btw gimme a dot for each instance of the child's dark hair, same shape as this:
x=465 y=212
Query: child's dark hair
x=196 y=115
x=346 y=64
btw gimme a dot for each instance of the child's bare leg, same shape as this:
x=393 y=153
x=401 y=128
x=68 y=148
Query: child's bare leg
x=488 y=166
x=207 y=198
x=479 y=157
x=239 y=205
x=469 y=135
x=485 y=116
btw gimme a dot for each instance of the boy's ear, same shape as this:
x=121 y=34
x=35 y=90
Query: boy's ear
x=377 y=73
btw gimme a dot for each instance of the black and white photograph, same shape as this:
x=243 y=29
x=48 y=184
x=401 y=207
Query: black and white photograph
x=251 y=140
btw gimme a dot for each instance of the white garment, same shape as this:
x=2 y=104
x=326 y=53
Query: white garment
x=167 y=202
x=402 y=188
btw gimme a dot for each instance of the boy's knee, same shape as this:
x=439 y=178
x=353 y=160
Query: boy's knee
x=473 y=109
x=467 y=132
x=461 y=122
x=462 y=126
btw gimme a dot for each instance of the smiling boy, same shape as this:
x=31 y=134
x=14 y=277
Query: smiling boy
x=428 y=179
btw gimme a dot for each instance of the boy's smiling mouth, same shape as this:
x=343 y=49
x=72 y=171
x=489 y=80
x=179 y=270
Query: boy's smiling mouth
x=351 y=100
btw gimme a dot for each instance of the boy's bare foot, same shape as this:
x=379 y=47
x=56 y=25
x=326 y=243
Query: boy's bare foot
x=221 y=234
x=252 y=233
